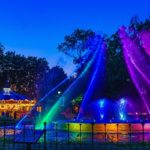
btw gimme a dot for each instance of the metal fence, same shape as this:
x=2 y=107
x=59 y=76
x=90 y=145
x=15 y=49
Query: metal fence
x=28 y=138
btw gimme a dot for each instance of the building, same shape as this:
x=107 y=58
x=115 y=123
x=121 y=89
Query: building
x=15 y=105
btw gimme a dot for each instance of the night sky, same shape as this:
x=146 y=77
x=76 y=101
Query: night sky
x=35 y=27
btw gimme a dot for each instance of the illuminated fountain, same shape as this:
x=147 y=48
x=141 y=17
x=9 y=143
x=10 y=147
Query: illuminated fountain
x=73 y=90
x=145 y=39
x=136 y=49
x=138 y=62
x=106 y=115
x=96 y=79
x=54 y=111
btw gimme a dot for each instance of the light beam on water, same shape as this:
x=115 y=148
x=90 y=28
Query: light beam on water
x=67 y=95
x=138 y=65
x=97 y=75
x=21 y=122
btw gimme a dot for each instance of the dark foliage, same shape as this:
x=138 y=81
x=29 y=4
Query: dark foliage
x=117 y=77
x=30 y=76
x=33 y=77
x=51 y=80
x=138 y=25
x=74 y=45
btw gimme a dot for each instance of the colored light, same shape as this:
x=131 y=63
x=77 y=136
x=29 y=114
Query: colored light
x=137 y=62
x=56 y=109
x=98 y=70
x=122 y=101
x=59 y=92
x=101 y=103
x=122 y=116
x=102 y=116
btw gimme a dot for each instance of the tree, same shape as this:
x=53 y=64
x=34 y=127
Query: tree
x=74 y=45
x=51 y=79
x=22 y=72
x=1 y=64
x=134 y=22
x=138 y=25
x=30 y=76
x=117 y=76
x=1 y=50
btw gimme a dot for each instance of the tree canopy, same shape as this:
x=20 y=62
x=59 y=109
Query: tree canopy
x=74 y=45
x=31 y=76
x=117 y=76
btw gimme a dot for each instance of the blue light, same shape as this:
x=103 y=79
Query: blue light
x=122 y=109
x=98 y=70
x=122 y=116
x=102 y=116
x=101 y=103
x=122 y=101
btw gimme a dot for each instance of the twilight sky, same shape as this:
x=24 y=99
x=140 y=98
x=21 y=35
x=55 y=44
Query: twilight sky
x=36 y=27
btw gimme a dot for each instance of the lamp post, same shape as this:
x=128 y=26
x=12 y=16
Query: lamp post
x=143 y=134
x=59 y=92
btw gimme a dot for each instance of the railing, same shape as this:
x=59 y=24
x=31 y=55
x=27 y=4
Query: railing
x=28 y=138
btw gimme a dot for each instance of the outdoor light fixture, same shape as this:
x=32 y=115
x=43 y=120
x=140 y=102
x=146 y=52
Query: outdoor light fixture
x=101 y=103
x=102 y=116
x=59 y=92
x=122 y=117
x=122 y=101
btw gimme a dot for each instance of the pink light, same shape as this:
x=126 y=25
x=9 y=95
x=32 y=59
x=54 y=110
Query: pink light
x=145 y=39
x=138 y=65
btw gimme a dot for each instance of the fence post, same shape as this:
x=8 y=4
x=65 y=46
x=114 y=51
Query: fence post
x=143 y=135
x=92 y=125
x=4 y=130
x=44 y=135
x=80 y=136
x=24 y=133
x=105 y=134
x=117 y=137
x=14 y=136
x=68 y=136
x=130 y=134
x=28 y=146
x=56 y=135
x=34 y=131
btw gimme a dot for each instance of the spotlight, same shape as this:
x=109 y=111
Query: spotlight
x=59 y=92
x=101 y=103
x=122 y=117
x=102 y=116
x=122 y=101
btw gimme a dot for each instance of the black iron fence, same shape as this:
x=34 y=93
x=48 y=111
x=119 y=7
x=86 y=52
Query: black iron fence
x=53 y=138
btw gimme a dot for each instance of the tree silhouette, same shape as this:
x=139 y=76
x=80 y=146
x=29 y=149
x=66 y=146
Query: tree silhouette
x=30 y=76
x=74 y=45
